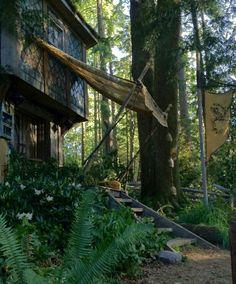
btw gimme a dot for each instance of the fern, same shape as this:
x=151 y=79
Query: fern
x=13 y=252
x=80 y=240
x=33 y=278
x=83 y=264
x=20 y=270
x=106 y=255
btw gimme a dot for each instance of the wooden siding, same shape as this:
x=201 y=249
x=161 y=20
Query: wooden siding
x=45 y=73
x=36 y=138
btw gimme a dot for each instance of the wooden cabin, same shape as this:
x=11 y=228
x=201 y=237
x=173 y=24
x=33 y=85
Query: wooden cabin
x=41 y=98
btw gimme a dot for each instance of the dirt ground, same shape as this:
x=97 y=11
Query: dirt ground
x=201 y=267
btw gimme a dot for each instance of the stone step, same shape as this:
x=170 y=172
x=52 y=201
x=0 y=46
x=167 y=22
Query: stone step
x=164 y=230
x=137 y=210
x=124 y=200
x=180 y=242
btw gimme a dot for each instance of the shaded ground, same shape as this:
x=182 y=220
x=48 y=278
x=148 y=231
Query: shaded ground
x=201 y=267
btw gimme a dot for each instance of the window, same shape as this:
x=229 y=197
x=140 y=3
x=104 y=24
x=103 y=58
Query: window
x=31 y=12
x=74 y=47
x=55 y=31
x=30 y=136
x=57 y=80
x=77 y=94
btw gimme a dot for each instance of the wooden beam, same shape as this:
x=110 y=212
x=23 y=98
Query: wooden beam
x=52 y=106
x=3 y=90
x=36 y=110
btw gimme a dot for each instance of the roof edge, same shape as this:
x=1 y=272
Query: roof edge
x=76 y=20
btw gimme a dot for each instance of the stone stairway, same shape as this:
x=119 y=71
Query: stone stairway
x=180 y=235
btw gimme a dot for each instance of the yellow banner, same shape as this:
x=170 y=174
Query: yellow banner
x=217 y=116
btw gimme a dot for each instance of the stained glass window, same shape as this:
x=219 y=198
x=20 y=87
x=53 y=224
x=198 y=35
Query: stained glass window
x=62 y=84
x=31 y=11
x=57 y=80
x=74 y=46
x=77 y=87
x=55 y=31
x=31 y=63
x=31 y=57
x=31 y=4
x=77 y=94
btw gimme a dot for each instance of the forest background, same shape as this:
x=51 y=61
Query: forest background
x=113 y=54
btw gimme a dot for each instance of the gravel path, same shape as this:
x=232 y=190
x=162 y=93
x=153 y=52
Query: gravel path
x=201 y=267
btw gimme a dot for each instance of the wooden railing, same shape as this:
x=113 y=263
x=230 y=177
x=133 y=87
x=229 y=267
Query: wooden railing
x=217 y=191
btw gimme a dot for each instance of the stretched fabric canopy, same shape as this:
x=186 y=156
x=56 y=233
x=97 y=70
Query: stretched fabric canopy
x=112 y=87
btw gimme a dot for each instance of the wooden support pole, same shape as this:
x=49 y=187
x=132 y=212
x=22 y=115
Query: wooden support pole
x=232 y=236
x=117 y=118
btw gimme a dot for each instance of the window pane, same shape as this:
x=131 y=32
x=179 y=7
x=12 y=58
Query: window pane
x=55 y=31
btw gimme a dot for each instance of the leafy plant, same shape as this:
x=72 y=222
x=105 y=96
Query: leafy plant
x=84 y=261
x=47 y=196
x=216 y=215
x=109 y=225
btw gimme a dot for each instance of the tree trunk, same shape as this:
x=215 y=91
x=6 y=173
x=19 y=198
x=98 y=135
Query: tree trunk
x=105 y=109
x=156 y=173
x=183 y=102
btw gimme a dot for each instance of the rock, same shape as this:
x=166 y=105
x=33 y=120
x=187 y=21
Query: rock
x=169 y=257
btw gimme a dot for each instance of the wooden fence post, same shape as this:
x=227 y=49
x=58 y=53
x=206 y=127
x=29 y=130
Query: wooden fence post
x=232 y=235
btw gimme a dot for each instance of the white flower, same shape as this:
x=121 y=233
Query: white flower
x=49 y=198
x=38 y=192
x=7 y=183
x=28 y=216
x=22 y=186
x=20 y=216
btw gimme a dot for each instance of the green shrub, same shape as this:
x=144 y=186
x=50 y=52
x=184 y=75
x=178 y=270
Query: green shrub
x=110 y=224
x=216 y=215
x=46 y=196
x=38 y=200
x=85 y=261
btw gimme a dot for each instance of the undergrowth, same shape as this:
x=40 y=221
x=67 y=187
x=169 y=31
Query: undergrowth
x=217 y=215
x=39 y=201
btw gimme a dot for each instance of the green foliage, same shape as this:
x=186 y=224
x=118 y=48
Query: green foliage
x=217 y=215
x=12 y=251
x=81 y=238
x=85 y=261
x=9 y=13
x=110 y=225
x=44 y=194
x=189 y=164
x=105 y=168
x=39 y=200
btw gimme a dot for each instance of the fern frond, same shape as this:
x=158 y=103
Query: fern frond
x=80 y=240
x=33 y=278
x=12 y=250
x=106 y=256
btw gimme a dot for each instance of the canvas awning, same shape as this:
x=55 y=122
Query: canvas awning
x=112 y=87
